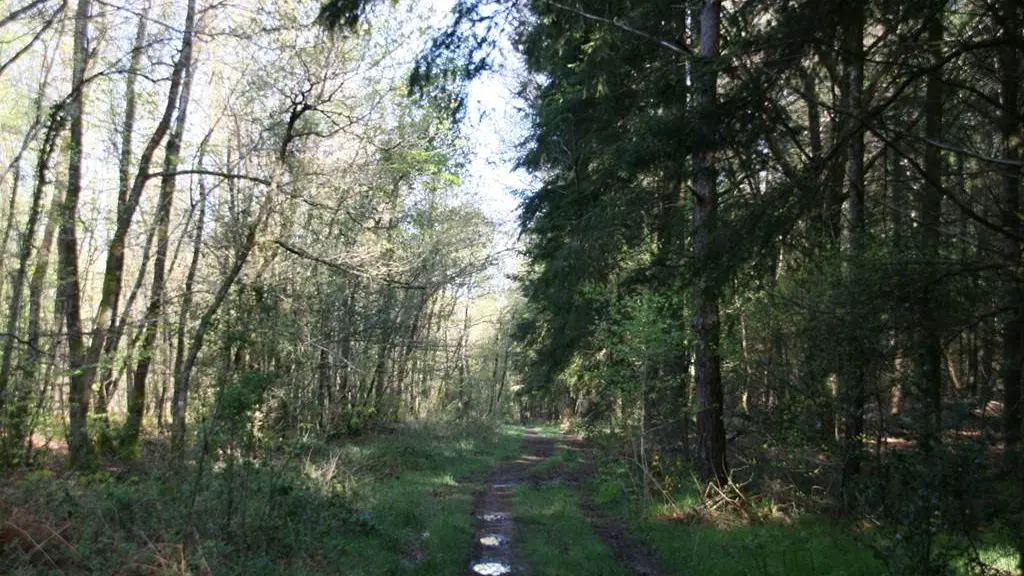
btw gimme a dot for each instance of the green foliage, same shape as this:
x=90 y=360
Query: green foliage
x=808 y=548
x=386 y=504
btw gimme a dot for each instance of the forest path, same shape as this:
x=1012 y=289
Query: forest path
x=498 y=533
x=494 y=530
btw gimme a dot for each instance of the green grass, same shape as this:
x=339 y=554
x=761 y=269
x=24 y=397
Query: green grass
x=422 y=516
x=808 y=545
x=545 y=429
x=808 y=548
x=389 y=504
x=999 y=556
x=554 y=538
x=565 y=459
x=803 y=544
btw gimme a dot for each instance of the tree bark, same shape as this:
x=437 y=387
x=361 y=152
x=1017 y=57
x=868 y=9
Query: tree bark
x=711 y=449
x=55 y=126
x=179 y=399
x=190 y=279
x=110 y=292
x=929 y=348
x=137 y=395
x=123 y=186
x=68 y=290
x=851 y=374
x=1012 y=133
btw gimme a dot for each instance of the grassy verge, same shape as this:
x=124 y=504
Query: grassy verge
x=765 y=542
x=688 y=544
x=812 y=547
x=388 y=504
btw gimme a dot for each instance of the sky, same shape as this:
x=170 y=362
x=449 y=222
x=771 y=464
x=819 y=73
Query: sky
x=494 y=127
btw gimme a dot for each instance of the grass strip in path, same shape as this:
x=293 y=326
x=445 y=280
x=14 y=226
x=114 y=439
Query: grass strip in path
x=556 y=539
x=495 y=530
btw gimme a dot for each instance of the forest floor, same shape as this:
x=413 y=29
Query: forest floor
x=532 y=497
x=419 y=500
x=566 y=507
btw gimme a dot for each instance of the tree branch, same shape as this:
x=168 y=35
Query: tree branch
x=218 y=174
x=625 y=27
x=301 y=253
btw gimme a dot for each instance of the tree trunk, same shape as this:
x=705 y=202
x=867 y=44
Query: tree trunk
x=35 y=289
x=68 y=290
x=190 y=279
x=12 y=209
x=344 y=395
x=110 y=292
x=929 y=348
x=137 y=395
x=1012 y=133
x=179 y=399
x=55 y=125
x=123 y=186
x=707 y=360
x=852 y=378
x=1013 y=330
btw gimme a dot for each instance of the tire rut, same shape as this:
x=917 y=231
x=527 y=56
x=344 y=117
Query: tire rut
x=494 y=531
x=638 y=558
x=495 y=527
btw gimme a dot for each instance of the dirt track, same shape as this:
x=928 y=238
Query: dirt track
x=495 y=528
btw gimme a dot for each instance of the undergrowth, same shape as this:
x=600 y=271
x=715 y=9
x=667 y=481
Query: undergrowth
x=758 y=527
x=384 y=504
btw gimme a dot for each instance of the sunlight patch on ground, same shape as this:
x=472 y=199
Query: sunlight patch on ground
x=1002 y=558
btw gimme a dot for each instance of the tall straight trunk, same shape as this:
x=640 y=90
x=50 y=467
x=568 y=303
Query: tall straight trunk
x=813 y=115
x=897 y=190
x=502 y=375
x=378 y=386
x=12 y=209
x=110 y=290
x=429 y=356
x=379 y=381
x=494 y=376
x=711 y=450
x=36 y=285
x=55 y=125
x=929 y=348
x=137 y=395
x=1013 y=330
x=1012 y=133
x=348 y=306
x=402 y=370
x=834 y=194
x=851 y=377
x=68 y=289
x=323 y=388
x=123 y=187
x=465 y=391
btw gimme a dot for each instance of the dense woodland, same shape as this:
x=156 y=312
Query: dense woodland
x=791 y=223
x=213 y=207
x=773 y=246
